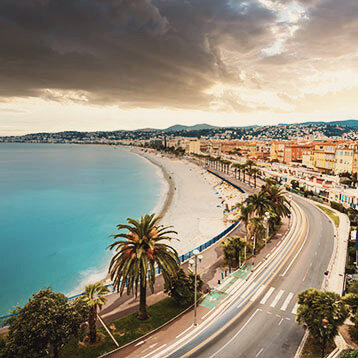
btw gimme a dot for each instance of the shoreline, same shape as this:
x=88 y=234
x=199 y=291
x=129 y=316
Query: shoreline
x=164 y=206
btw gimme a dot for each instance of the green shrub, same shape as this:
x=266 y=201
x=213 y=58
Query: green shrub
x=338 y=206
x=353 y=332
x=352 y=353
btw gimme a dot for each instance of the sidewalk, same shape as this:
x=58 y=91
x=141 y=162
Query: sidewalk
x=337 y=264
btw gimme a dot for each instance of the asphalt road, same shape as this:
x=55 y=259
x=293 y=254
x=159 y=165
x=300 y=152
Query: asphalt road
x=267 y=328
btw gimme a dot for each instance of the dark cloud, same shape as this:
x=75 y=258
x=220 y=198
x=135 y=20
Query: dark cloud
x=127 y=52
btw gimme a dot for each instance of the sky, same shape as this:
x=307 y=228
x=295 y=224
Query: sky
x=128 y=64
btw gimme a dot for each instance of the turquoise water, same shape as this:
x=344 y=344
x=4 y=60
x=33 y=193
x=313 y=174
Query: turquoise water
x=58 y=204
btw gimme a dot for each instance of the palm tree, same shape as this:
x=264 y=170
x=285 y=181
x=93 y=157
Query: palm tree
x=234 y=166
x=250 y=163
x=259 y=202
x=254 y=172
x=243 y=167
x=94 y=297
x=137 y=252
x=232 y=248
x=246 y=212
x=258 y=229
x=278 y=202
x=269 y=182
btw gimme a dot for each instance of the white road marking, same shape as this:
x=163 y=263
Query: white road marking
x=139 y=343
x=184 y=331
x=155 y=350
x=236 y=334
x=287 y=301
x=280 y=322
x=257 y=294
x=259 y=352
x=267 y=296
x=294 y=311
x=150 y=347
x=277 y=298
x=293 y=260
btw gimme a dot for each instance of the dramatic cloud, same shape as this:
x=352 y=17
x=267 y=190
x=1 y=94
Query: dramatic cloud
x=216 y=56
x=127 y=52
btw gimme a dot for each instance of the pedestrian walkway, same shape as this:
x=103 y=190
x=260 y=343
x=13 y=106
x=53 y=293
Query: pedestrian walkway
x=226 y=288
x=281 y=300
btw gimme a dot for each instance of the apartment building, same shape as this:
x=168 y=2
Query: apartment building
x=192 y=145
x=344 y=159
x=293 y=152
x=355 y=162
x=308 y=156
x=325 y=156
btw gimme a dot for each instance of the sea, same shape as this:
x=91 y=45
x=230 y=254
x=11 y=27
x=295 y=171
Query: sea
x=58 y=205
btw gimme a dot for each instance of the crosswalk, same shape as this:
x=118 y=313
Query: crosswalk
x=277 y=298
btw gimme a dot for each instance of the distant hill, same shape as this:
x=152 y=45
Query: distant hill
x=179 y=127
x=347 y=123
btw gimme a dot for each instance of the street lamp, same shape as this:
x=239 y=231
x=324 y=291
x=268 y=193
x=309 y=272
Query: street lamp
x=267 y=217
x=194 y=263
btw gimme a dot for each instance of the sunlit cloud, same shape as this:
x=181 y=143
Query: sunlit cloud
x=153 y=63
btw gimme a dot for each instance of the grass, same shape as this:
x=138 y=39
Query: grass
x=127 y=329
x=331 y=214
x=312 y=350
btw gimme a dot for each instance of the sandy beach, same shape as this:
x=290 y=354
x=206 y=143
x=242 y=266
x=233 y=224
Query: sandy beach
x=194 y=202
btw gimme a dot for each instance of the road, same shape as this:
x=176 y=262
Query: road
x=260 y=322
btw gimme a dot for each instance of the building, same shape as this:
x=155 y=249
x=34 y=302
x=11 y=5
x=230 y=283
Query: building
x=325 y=156
x=308 y=157
x=344 y=159
x=192 y=145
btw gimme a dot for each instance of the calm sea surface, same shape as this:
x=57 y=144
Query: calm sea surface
x=58 y=204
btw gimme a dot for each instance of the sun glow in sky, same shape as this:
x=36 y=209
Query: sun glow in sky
x=127 y=64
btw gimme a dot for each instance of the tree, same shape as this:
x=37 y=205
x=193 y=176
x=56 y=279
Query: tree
x=257 y=227
x=259 y=203
x=44 y=324
x=351 y=300
x=254 y=172
x=295 y=184
x=322 y=313
x=351 y=353
x=137 y=252
x=232 y=248
x=277 y=201
x=246 y=212
x=182 y=287
x=249 y=163
x=353 y=286
x=94 y=298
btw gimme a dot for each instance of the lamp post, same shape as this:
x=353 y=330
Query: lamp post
x=194 y=263
x=267 y=217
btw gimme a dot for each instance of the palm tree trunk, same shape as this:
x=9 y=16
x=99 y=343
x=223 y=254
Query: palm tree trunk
x=55 y=351
x=92 y=324
x=143 y=315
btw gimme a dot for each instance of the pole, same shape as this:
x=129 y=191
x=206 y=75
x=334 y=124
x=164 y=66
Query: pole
x=196 y=269
x=108 y=331
x=267 y=234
